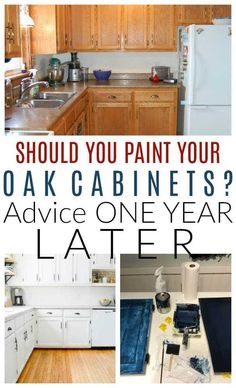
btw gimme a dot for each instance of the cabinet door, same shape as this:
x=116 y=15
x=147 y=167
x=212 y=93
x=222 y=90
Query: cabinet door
x=100 y=260
x=29 y=339
x=65 y=273
x=26 y=269
x=155 y=119
x=12 y=31
x=108 y=27
x=82 y=269
x=10 y=359
x=162 y=33
x=220 y=11
x=135 y=27
x=50 y=332
x=21 y=355
x=77 y=333
x=82 y=27
x=47 y=271
x=193 y=14
x=79 y=126
x=63 y=38
x=112 y=119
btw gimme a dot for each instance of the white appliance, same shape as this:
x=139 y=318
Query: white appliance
x=103 y=327
x=205 y=78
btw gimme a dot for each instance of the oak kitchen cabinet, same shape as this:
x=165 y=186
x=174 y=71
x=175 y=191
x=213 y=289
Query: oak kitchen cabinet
x=83 y=27
x=192 y=14
x=12 y=31
x=52 y=31
x=161 y=28
x=108 y=27
x=112 y=112
x=220 y=11
x=135 y=27
x=156 y=112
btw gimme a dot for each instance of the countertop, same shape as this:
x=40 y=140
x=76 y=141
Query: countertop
x=13 y=311
x=44 y=118
x=197 y=345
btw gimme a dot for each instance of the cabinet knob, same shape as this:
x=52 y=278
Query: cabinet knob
x=155 y=96
x=77 y=313
x=49 y=312
x=112 y=97
x=9 y=329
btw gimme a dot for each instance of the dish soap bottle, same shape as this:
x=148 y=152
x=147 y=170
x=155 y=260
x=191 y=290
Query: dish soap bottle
x=160 y=285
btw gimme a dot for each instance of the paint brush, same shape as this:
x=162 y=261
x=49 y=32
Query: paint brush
x=173 y=350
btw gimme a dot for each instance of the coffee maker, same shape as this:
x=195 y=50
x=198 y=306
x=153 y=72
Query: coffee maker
x=17 y=297
x=75 y=73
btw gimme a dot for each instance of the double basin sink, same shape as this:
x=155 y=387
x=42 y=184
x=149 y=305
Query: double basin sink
x=48 y=100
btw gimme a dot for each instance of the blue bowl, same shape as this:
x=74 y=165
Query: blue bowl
x=102 y=75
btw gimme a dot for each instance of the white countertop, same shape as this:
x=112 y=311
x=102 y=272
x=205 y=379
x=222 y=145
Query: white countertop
x=13 y=311
x=197 y=345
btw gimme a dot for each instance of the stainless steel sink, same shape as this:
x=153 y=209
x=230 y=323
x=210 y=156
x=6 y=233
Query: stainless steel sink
x=38 y=103
x=65 y=96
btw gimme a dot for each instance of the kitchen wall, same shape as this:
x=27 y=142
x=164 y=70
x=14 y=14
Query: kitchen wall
x=66 y=296
x=119 y=62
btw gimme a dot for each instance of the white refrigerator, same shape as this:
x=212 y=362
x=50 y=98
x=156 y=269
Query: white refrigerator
x=205 y=79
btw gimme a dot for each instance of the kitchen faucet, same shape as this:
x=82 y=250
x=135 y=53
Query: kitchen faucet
x=27 y=84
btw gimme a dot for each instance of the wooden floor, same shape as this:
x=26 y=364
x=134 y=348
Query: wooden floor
x=69 y=366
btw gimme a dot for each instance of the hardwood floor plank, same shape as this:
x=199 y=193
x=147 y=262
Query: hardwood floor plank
x=69 y=366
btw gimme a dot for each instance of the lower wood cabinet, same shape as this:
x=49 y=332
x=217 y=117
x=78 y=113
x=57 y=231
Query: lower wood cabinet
x=155 y=119
x=112 y=119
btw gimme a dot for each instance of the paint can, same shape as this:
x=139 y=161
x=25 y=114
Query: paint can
x=163 y=302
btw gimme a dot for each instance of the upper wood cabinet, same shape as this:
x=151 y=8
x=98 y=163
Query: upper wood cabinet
x=12 y=31
x=192 y=14
x=135 y=27
x=51 y=33
x=162 y=29
x=108 y=27
x=220 y=11
x=83 y=27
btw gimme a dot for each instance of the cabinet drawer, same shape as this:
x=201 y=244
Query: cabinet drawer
x=9 y=327
x=155 y=95
x=111 y=96
x=77 y=313
x=49 y=313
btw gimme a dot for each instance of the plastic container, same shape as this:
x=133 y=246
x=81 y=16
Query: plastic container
x=102 y=75
x=85 y=72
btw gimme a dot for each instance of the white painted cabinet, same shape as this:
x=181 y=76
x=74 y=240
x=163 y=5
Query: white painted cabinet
x=103 y=327
x=77 y=333
x=21 y=355
x=50 y=332
x=82 y=270
x=47 y=269
x=26 y=269
x=29 y=336
x=11 y=359
x=65 y=268
x=101 y=261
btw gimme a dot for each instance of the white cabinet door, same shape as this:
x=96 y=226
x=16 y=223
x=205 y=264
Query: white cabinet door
x=65 y=269
x=77 y=333
x=29 y=338
x=10 y=360
x=21 y=356
x=82 y=269
x=26 y=269
x=47 y=271
x=50 y=332
x=103 y=328
x=103 y=261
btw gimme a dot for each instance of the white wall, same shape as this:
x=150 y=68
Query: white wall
x=66 y=296
x=119 y=62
